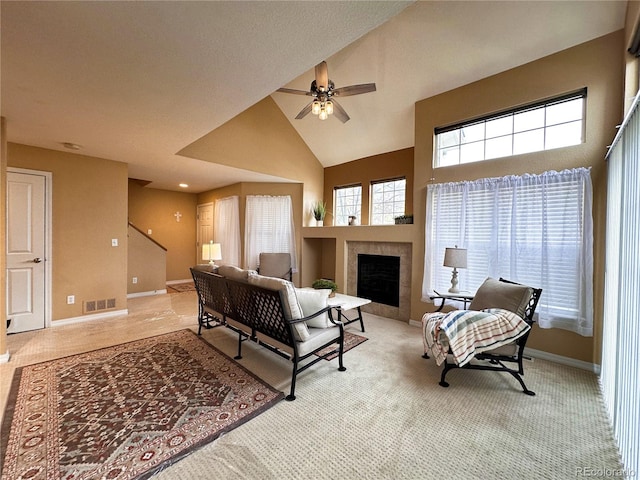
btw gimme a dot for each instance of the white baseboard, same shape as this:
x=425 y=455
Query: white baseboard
x=175 y=282
x=570 y=362
x=147 y=294
x=88 y=318
x=4 y=358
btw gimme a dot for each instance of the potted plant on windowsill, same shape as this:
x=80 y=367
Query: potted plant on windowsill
x=319 y=211
x=323 y=283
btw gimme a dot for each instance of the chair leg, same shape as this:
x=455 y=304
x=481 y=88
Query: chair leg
x=239 y=356
x=447 y=367
x=341 y=367
x=291 y=397
x=525 y=390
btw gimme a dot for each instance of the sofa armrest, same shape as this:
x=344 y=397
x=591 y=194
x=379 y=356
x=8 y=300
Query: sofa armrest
x=314 y=315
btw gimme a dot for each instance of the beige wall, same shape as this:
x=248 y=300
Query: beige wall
x=3 y=222
x=367 y=170
x=596 y=65
x=150 y=208
x=261 y=139
x=89 y=210
x=147 y=263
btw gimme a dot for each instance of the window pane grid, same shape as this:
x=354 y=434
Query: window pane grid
x=347 y=201
x=554 y=124
x=387 y=201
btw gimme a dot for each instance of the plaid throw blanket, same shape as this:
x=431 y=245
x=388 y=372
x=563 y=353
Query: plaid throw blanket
x=469 y=332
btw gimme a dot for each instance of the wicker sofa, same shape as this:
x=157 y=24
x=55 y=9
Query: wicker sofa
x=292 y=323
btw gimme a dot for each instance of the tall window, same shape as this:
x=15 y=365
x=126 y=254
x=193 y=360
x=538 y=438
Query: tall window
x=268 y=228
x=620 y=373
x=226 y=221
x=533 y=229
x=347 y=203
x=387 y=201
x=540 y=126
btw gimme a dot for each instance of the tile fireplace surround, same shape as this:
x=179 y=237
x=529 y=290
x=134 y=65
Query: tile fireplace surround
x=396 y=249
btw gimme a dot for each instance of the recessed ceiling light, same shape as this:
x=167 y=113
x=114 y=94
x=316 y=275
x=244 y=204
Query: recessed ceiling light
x=183 y=185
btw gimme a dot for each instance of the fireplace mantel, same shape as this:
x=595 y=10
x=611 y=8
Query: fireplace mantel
x=331 y=252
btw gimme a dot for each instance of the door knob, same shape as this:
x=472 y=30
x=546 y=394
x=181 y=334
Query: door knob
x=37 y=260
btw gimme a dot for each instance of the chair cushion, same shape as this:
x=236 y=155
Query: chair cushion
x=291 y=306
x=275 y=264
x=508 y=296
x=312 y=300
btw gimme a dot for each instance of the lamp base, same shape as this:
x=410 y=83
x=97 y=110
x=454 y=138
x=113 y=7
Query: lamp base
x=454 y=281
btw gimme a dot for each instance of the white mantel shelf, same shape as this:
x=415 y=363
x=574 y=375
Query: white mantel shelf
x=378 y=233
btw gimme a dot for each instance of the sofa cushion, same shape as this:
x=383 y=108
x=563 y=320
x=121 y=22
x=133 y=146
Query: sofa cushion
x=317 y=338
x=496 y=294
x=291 y=306
x=234 y=273
x=312 y=300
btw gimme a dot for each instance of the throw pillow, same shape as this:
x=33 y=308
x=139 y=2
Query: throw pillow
x=291 y=306
x=496 y=294
x=234 y=273
x=312 y=300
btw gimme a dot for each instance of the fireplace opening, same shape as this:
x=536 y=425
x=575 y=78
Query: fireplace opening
x=379 y=278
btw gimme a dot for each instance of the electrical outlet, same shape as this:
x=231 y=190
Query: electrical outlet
x=71 y=299
x=149 y=232
x=135 y=280
x=114 y=242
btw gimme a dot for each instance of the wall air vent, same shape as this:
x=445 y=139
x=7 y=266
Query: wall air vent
x=96 y=306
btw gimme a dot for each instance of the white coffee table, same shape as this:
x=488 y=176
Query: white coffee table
x=343 y=303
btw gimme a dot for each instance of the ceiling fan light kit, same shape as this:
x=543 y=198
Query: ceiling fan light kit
x=323 y=90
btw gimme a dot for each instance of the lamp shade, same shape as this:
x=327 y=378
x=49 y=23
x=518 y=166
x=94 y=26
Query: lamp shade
x=211 y=251
x=455 y=257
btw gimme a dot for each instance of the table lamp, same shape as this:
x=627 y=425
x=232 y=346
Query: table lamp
x=211 y=251
x=456 y=258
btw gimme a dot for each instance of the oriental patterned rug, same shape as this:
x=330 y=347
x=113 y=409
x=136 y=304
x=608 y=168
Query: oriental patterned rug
x=125 y=412
x=351 y=340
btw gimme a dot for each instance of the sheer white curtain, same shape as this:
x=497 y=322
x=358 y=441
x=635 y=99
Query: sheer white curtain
x=533 y=229
x=226 y=228
x=620 y=370
x=268 y=228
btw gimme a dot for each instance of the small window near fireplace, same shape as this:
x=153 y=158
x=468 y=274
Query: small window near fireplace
x=379 y=278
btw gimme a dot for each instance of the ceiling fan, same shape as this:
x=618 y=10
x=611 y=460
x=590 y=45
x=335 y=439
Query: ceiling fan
x=323 y=92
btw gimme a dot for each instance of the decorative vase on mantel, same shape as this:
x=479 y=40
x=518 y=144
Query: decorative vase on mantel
x=319 y=223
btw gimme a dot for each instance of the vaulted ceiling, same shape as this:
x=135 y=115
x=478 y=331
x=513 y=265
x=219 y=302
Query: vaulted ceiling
x=139 y=81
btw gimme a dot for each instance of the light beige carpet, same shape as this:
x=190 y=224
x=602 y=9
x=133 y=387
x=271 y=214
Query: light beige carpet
x=386 y=417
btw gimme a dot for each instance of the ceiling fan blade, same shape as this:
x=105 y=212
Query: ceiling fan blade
x=354 y=89
x=305 y=111
x=295 y=92
x=322 y=77
x=339 y=112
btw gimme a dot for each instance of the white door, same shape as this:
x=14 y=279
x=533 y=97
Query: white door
x=25 y=251
x=205 y=229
